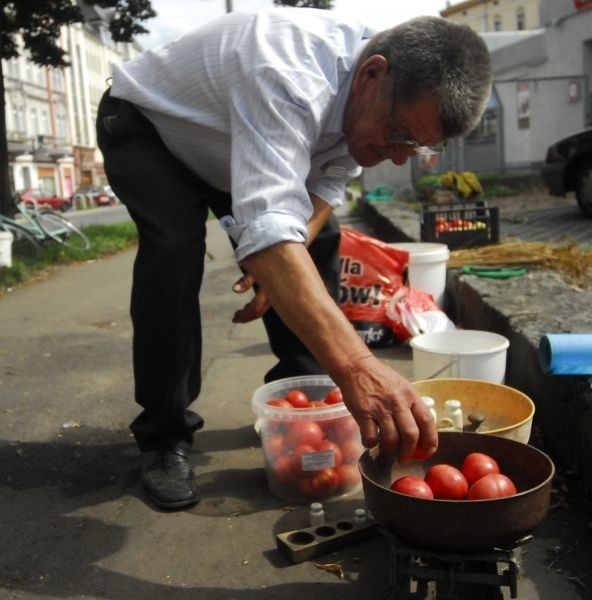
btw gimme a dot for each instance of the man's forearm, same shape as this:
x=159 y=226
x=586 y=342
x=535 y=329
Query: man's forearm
x=291 y=281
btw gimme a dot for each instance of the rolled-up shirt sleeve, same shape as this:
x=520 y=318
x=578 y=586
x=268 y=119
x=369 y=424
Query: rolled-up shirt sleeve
x=266 y=230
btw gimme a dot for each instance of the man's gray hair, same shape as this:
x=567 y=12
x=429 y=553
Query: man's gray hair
x=434 y=56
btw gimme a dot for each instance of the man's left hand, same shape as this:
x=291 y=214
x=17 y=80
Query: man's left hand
x=254 y=309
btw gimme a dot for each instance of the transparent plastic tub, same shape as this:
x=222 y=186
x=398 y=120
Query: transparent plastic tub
x=311 y=454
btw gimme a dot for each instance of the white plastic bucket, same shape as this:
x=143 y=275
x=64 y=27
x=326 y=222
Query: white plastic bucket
x=427 y=267
x=465 y=353
x=5 y=249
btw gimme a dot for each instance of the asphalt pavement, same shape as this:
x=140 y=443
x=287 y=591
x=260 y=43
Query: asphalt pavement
x=74 y=524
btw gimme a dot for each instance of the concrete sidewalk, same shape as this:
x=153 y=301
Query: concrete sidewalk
x=73 y=522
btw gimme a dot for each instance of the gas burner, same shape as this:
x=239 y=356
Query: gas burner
x=424 y=574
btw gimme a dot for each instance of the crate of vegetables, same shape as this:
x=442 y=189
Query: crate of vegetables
x=459 y=224
x=311 y=444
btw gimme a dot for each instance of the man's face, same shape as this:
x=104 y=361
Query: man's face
x=371 y=123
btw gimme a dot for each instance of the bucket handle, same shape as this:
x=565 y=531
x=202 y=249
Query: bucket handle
x=442 y=369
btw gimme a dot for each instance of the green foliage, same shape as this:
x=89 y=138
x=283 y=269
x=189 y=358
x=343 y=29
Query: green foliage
x=105 y=241
x=39 y=22
x=325 y=4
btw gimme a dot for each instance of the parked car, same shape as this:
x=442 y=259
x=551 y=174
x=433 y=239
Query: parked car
x=568 y=168
x=44 y=198
x=95 y=195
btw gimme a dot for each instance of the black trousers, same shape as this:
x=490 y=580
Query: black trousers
x=169 y=205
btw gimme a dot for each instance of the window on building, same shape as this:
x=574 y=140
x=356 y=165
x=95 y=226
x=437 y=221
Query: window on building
x=47 y=179
x=520 y=20
x=34 y=121
x=62 y=126
x=18 y=119
x=26 y=176
x=58 y=80
x=497 y=23
x=15 y=118
x=13 y=68
x=44 y=124
x=486 y=130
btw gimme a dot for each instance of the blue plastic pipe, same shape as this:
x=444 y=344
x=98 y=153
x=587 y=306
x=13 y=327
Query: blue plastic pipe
x=566 y=353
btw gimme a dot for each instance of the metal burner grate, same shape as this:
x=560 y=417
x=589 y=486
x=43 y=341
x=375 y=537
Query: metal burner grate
x=423 y=574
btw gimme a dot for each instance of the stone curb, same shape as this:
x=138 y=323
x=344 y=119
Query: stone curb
x=522 y=309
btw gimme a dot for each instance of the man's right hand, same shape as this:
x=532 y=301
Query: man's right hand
x=388 y=410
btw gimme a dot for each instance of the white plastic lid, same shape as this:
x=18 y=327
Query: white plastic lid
x=424 y=252
x=428 y=401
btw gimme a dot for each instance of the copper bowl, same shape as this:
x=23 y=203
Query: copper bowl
x=507 y=412
x=461 y=525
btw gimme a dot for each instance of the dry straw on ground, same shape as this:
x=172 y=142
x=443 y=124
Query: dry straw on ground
x=571 y=260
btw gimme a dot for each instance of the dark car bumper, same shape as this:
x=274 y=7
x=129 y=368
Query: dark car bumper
x=553 y=177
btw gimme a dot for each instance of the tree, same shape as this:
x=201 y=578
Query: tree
x=326 y=4
x=38 y=23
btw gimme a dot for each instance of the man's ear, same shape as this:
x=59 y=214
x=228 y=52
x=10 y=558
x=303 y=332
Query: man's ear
x=372 y=70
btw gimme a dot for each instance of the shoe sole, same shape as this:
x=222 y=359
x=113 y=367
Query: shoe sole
x=169 y=505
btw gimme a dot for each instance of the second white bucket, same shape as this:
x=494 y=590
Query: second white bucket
x=5 y=249
x=427 y=267
x=465 y=353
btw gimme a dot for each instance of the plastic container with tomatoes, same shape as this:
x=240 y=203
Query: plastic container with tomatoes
x=311 y=451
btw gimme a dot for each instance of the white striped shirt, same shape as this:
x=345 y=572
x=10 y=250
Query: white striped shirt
x=253 y=103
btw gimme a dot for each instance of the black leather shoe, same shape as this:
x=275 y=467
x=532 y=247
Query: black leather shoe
x=167 y=478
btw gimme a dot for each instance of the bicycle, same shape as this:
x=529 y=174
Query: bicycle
x=34 y=226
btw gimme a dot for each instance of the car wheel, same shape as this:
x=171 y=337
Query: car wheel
x=584 y=189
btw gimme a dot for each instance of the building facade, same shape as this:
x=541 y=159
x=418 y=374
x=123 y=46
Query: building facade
x=50 y=112
x=495 y=15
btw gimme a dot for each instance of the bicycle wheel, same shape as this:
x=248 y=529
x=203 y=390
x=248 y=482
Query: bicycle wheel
x=25 y=245
x=59 y=229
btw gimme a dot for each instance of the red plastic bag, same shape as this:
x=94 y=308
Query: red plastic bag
x=371 y=273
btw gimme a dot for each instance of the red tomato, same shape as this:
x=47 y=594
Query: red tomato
x=351 y=451
x=493 y=485
x=304 y=432
x=279 y=402
x=281 y=470
x=447 y=482
x=324 y=483
x=419 y=454
x=273 y=446
x=297 y=399
x=476 y=465
x=297 y=460
x=343 y=429
x=316 y=404
x=412 y=486
x=329 y=446
x=349 y=476
x=334 y=397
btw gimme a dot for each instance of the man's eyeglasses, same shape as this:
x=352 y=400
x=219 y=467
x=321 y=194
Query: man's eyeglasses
x=392 y=137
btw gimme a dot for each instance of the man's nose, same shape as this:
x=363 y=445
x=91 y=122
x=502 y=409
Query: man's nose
x=400 y=154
